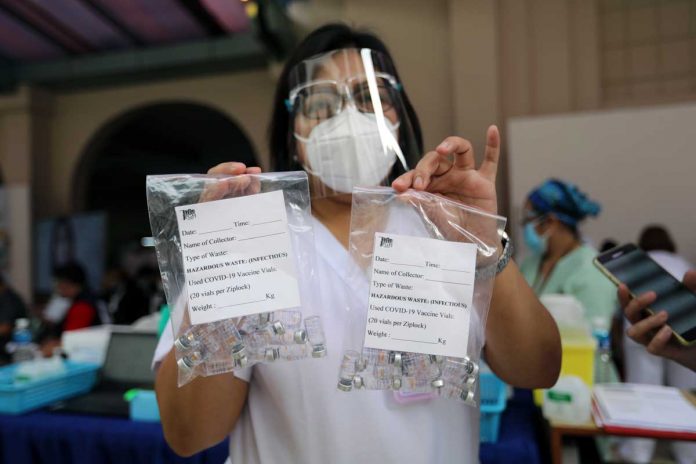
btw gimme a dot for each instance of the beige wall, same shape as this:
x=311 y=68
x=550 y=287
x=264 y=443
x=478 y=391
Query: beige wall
x=639 y=163
x=75 y=117
x=446 y=54
x=548 y=56
x=21 y=119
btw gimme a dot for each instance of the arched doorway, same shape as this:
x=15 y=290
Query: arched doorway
x=162 y=138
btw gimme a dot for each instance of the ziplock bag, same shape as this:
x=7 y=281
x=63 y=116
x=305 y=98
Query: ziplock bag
x=426 y=265
x=236 y=255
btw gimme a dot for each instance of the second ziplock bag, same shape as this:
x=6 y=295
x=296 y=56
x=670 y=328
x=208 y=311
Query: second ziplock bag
x=236 y=254
x=426 y=265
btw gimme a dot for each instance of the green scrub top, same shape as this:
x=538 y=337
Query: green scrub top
x=574 y=274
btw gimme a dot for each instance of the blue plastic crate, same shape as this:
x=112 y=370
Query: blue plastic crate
x=18 y=398
x=493 y=393
x=143 y=406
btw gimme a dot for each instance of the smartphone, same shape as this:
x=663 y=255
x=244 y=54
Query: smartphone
x=630 y=265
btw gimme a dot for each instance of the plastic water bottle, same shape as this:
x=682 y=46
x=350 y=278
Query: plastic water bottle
x=21 y=337
x=603 y=364
x=569 y=401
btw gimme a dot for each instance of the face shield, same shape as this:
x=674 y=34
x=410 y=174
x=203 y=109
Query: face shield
x=349 y=121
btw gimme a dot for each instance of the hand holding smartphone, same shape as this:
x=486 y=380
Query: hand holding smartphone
x=631 y=266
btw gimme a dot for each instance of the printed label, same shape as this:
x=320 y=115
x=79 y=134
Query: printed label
x=421 y=292
x=237 y=257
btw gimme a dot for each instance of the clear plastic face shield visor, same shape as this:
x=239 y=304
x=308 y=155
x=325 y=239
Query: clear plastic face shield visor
x=349 y=122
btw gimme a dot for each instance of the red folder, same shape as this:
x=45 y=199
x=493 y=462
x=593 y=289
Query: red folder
x=638 y=432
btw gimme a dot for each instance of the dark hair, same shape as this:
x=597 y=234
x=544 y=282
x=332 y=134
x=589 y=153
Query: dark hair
x=71 y=272
x=608 y=244
x=324 y=39
x=656 y=238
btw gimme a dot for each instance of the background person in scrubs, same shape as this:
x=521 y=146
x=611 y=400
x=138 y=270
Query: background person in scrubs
x=560 y=263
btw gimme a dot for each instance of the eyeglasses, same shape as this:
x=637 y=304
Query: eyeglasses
x=533 y=218
x=324 y=99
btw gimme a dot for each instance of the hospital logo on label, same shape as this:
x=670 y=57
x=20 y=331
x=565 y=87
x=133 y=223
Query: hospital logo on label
x=386 y=242
x=188 y=214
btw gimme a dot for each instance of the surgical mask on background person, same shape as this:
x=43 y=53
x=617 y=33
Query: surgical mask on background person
x=56 y=308
x=535 y=242
x=347 y=151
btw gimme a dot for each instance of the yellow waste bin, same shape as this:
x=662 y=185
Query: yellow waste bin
x=578 y=358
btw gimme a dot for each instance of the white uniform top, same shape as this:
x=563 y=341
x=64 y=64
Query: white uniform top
x=673 y=263
x=294 y=412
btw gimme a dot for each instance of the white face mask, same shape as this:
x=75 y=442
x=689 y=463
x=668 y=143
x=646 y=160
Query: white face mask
x=347 y=150
x=56 y=308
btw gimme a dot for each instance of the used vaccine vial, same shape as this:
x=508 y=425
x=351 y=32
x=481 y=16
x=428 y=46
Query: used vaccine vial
x=195 y=336
x=271 y=354
x=298 y=336
x=239 y=354
x=190 y=360
x=315 y=335
x=380 y=372
x=374 y=383
x=417 y=364
x=223 y=346
x=186 y=341
x=396 y=359
x=456 y=392
x=294 y=352
x=257 y=343
x=282 y=321
x=374 y=357
x=218 y=366
x=347 y=372
x=409 y=373
x=227 y=332
x=459 y=371
x=416 y=384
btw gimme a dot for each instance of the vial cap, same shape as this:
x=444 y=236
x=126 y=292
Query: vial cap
x=300 y=336
x=396 y=359
x=318 y=351
x=471 y=367
x=183 y=365
x=345 y=385
x=358 y=381
x=272 y=354
x=360 y=364
x=238 y=351
x=467 y=396
x=278 y=328
x=437 y=383
x=264 y=318
x=181 y=343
